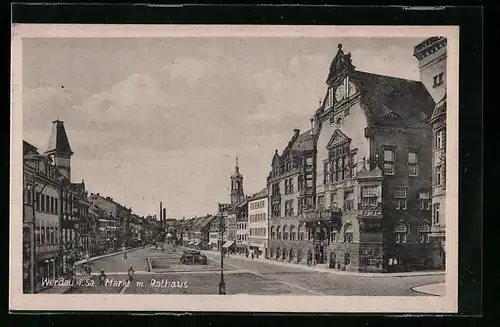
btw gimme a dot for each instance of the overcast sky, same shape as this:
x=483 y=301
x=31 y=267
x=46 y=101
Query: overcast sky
x=156 y=120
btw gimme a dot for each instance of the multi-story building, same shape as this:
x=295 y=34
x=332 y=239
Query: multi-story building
x=373 y=172
x=241 y=211
x=291 y=191
x=258 y=223
x=105 y=234
x=214 y=234
x=84 y=222
x=110 y=219
x=432 y=57
x=59 y=152
x=41 y=220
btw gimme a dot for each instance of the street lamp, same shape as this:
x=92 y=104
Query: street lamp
x=222 y=284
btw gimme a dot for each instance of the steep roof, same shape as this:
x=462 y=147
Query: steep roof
x=303 y=142
x=393 y=101
x=58 y=141
x=28 y=147
x=440 y=108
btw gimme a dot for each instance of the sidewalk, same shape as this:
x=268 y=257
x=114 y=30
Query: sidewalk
x=65 y=289
x=324 y=268
x=436 y=289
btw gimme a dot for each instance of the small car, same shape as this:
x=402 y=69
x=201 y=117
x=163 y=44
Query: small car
x=191 y=257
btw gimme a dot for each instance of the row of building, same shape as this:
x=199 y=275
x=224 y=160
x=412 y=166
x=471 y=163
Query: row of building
x=62 y=222
x=363 y=189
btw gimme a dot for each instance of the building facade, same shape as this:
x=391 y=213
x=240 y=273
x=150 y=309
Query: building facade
x=291 y=192
x=241 y=211
x=373 y=140
x=432 y=58
x=258 y=222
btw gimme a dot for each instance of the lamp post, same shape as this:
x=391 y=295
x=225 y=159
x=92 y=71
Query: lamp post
x=222 y=284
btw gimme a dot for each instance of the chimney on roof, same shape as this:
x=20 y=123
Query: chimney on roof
x=296 y=132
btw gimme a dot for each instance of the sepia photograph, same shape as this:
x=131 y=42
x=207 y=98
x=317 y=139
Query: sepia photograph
x=277 y=164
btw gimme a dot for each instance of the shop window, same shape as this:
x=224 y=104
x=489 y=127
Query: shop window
x=400 y=232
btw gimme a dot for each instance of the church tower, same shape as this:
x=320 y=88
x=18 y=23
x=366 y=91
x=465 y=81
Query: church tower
x=237 y=193
x=59 y=149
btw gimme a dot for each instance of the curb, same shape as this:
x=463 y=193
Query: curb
x=426 y=293
x=341 y=273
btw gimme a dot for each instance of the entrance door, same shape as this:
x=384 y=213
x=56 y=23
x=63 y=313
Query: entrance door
x=320 y=254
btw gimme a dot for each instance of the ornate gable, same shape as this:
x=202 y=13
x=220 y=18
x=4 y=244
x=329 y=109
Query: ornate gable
x=340 y=64
x=337 y=138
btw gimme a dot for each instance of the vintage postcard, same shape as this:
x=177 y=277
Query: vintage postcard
x=234 y=168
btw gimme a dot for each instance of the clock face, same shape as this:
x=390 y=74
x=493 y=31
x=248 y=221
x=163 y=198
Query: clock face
x=340 y=92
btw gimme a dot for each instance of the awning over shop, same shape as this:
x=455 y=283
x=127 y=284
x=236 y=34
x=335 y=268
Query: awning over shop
x=228 y=244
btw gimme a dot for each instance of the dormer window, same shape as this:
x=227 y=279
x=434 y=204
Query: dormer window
x=438 y=80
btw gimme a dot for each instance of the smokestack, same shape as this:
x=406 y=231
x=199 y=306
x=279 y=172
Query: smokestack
x=164 y=214
x=161 y=212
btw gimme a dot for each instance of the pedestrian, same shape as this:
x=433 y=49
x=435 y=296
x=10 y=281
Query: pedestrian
x=131 y=274
x=125 y=256
x=102 y=278
x=252 y=255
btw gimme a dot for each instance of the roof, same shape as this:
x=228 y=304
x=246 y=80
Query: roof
x=28 y=147
x=58 y=141
x=440 y=108
x=393 y=101
x=262 y=194
x=303 y=142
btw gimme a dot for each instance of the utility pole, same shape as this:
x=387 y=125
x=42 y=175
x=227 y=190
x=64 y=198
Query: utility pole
x=222 y=284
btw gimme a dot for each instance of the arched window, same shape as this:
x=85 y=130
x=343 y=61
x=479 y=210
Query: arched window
x=278 y=233
x=333 y=235
x=292 y=233
x=291 y=255
x=278 y=252
x=348 y=233
x=424 y=229
x=273 y=233
x=299 y=255
x=400 y=232
x=285 y=232
x=284 y=253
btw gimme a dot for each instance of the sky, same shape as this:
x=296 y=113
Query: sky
x=162 y=119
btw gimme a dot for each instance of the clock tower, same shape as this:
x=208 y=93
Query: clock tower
x=340 y=85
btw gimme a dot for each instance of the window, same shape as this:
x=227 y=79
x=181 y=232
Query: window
x=333 y=199
x=278 y=233
x=47 y=203
x=340 y=162
x=42 y=202
x=436 y=214
x=400 y=196
x=326 y=173
x=413 y=163
x=348 y=233
x=438 y=80
x=290 y=185
x=52 y=210
x=55 y=206
x=333 y=236
x=276 y=210
x=292 y=233
x=400 y=232
x=321 y=201
x=42 y=233
x=439 y=175
x=275 y=189
x=424 y=229
x=301 y=233
x=285 y=233
x=439 y=139
x=388 y=162
x=369 y=196
x=38 y=200
x=348 y=201
x=289 y=208
x=424 y=199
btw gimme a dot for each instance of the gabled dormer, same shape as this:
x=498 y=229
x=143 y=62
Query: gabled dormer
x=337 y=138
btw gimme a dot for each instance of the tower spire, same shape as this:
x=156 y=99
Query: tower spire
x=237 y=168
